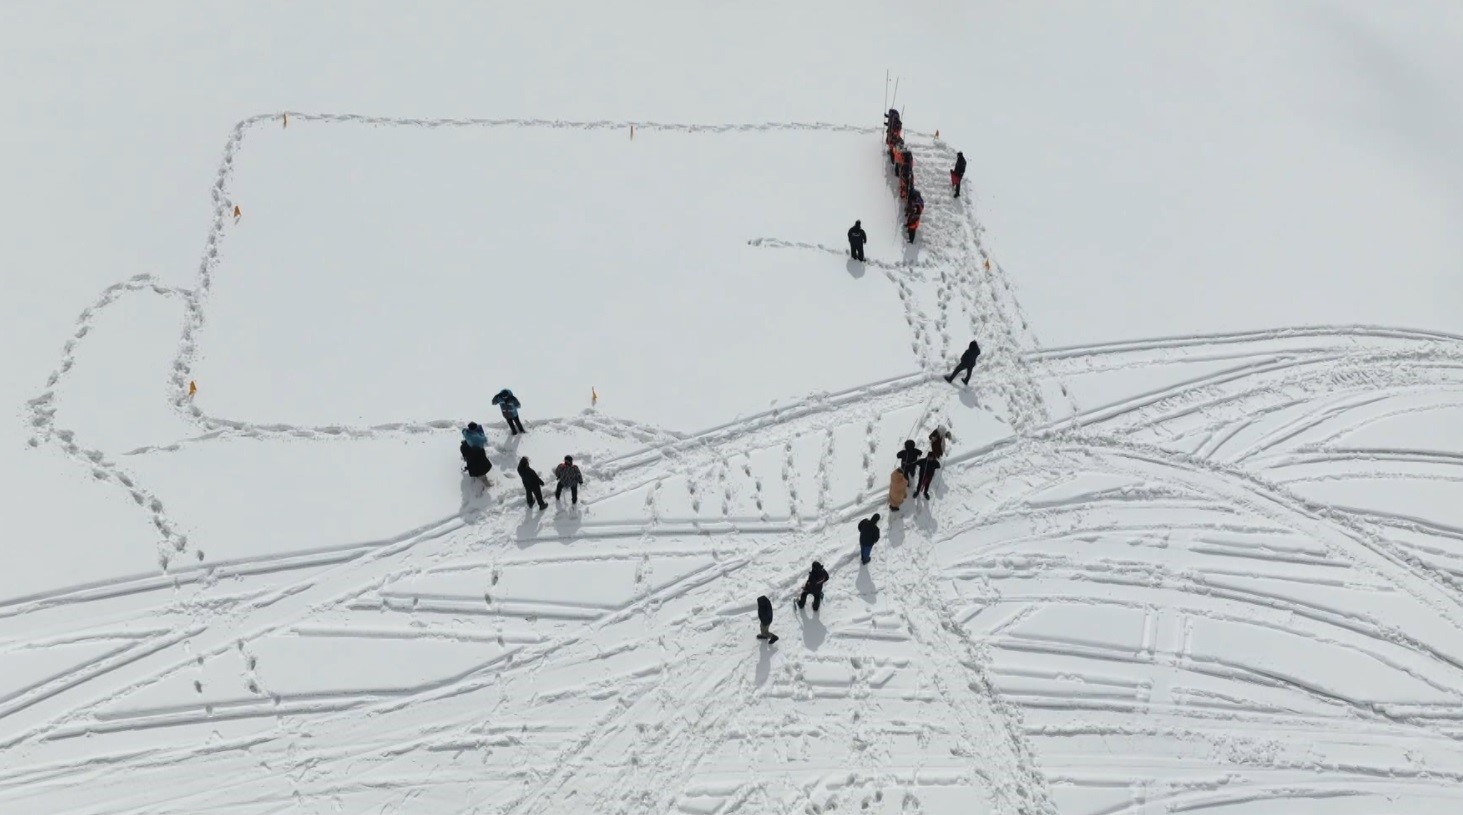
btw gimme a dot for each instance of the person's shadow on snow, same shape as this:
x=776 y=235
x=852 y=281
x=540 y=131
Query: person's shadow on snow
x=911 y=254
x=855 y=268
x=474 y=500
x=925 y=518
x=867 y=591
x=764 y=665
x=532 y=520
x=567 y=522
x=896 y=525
x=814 y=632
x=967 y=396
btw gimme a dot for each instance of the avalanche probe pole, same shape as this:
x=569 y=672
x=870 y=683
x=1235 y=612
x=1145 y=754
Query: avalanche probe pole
x=886 y=90
x=894 y=103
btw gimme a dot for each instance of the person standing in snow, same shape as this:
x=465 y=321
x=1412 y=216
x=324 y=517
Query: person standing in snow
x=958 y=174
x=532 y=484
x=856 y=240
x=898 y=489
x=764 y=616
x=817 y=576
x=914 y=208
x=568 y=475
x=909 y=459
x=474 y=435
x=868 y=535
x=967 y=363
x=475 y=462
x=508 y=403
x=927 y=467
x=937 y=443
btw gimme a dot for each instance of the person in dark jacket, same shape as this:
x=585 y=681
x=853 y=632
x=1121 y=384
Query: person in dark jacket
x=927 y=467
x=914 y=208
x=868 y=535
x=568 y=475
x=856 y=240
x=817 y=576
x=532 y=484
x=764 y=616
x=967 y=363
x=475 y=461
x=909 y=459
x=937 y=443
x=958 y=174
x=508 y=403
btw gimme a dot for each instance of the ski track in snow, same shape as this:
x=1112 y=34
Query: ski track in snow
x=965 y=649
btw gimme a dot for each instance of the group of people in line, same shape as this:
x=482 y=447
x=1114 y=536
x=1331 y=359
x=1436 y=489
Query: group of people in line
x=476 y=464
x=916 y=466
x=902 y=159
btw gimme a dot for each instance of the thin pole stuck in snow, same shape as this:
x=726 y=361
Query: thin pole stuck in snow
x=886 y=91
x=895 y=101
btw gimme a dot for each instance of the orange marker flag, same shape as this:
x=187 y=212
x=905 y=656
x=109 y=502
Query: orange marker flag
x=238 y=213
x=192 y=388
x=593 y=396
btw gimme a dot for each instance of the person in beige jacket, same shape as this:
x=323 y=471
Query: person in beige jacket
x=898 y=489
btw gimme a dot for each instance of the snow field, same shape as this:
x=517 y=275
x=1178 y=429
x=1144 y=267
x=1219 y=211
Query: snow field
x=409 y=271
x=1147 y=579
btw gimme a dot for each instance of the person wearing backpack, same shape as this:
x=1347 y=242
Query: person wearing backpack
x=508 y=403
x=958 y=174
x=532 y=484
x=568 y=475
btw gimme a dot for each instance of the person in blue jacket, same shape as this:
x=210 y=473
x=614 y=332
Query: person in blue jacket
x=508 y=403
x=474 y=435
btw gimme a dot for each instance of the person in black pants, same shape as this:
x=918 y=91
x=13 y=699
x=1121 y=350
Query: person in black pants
x=532 y=484
x=958 y=174
x=569 y=476
x=909 y=460
x=927 y=467
x=817 y=576
x=967 y=363
x=856 y=240
x=764 y=616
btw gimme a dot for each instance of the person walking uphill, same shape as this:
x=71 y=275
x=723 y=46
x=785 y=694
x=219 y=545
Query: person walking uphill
x=909 y=459
x=764 y=616
x=817 y=576
x=958 y=174
x=898 y=489
x=967 y=363
x=856 y=240
x=569 y=476
x=532 y=484
x=868 y=535
x=508 y=403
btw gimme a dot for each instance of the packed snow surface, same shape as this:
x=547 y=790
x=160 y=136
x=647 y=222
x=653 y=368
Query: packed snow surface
x=1195 y=546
